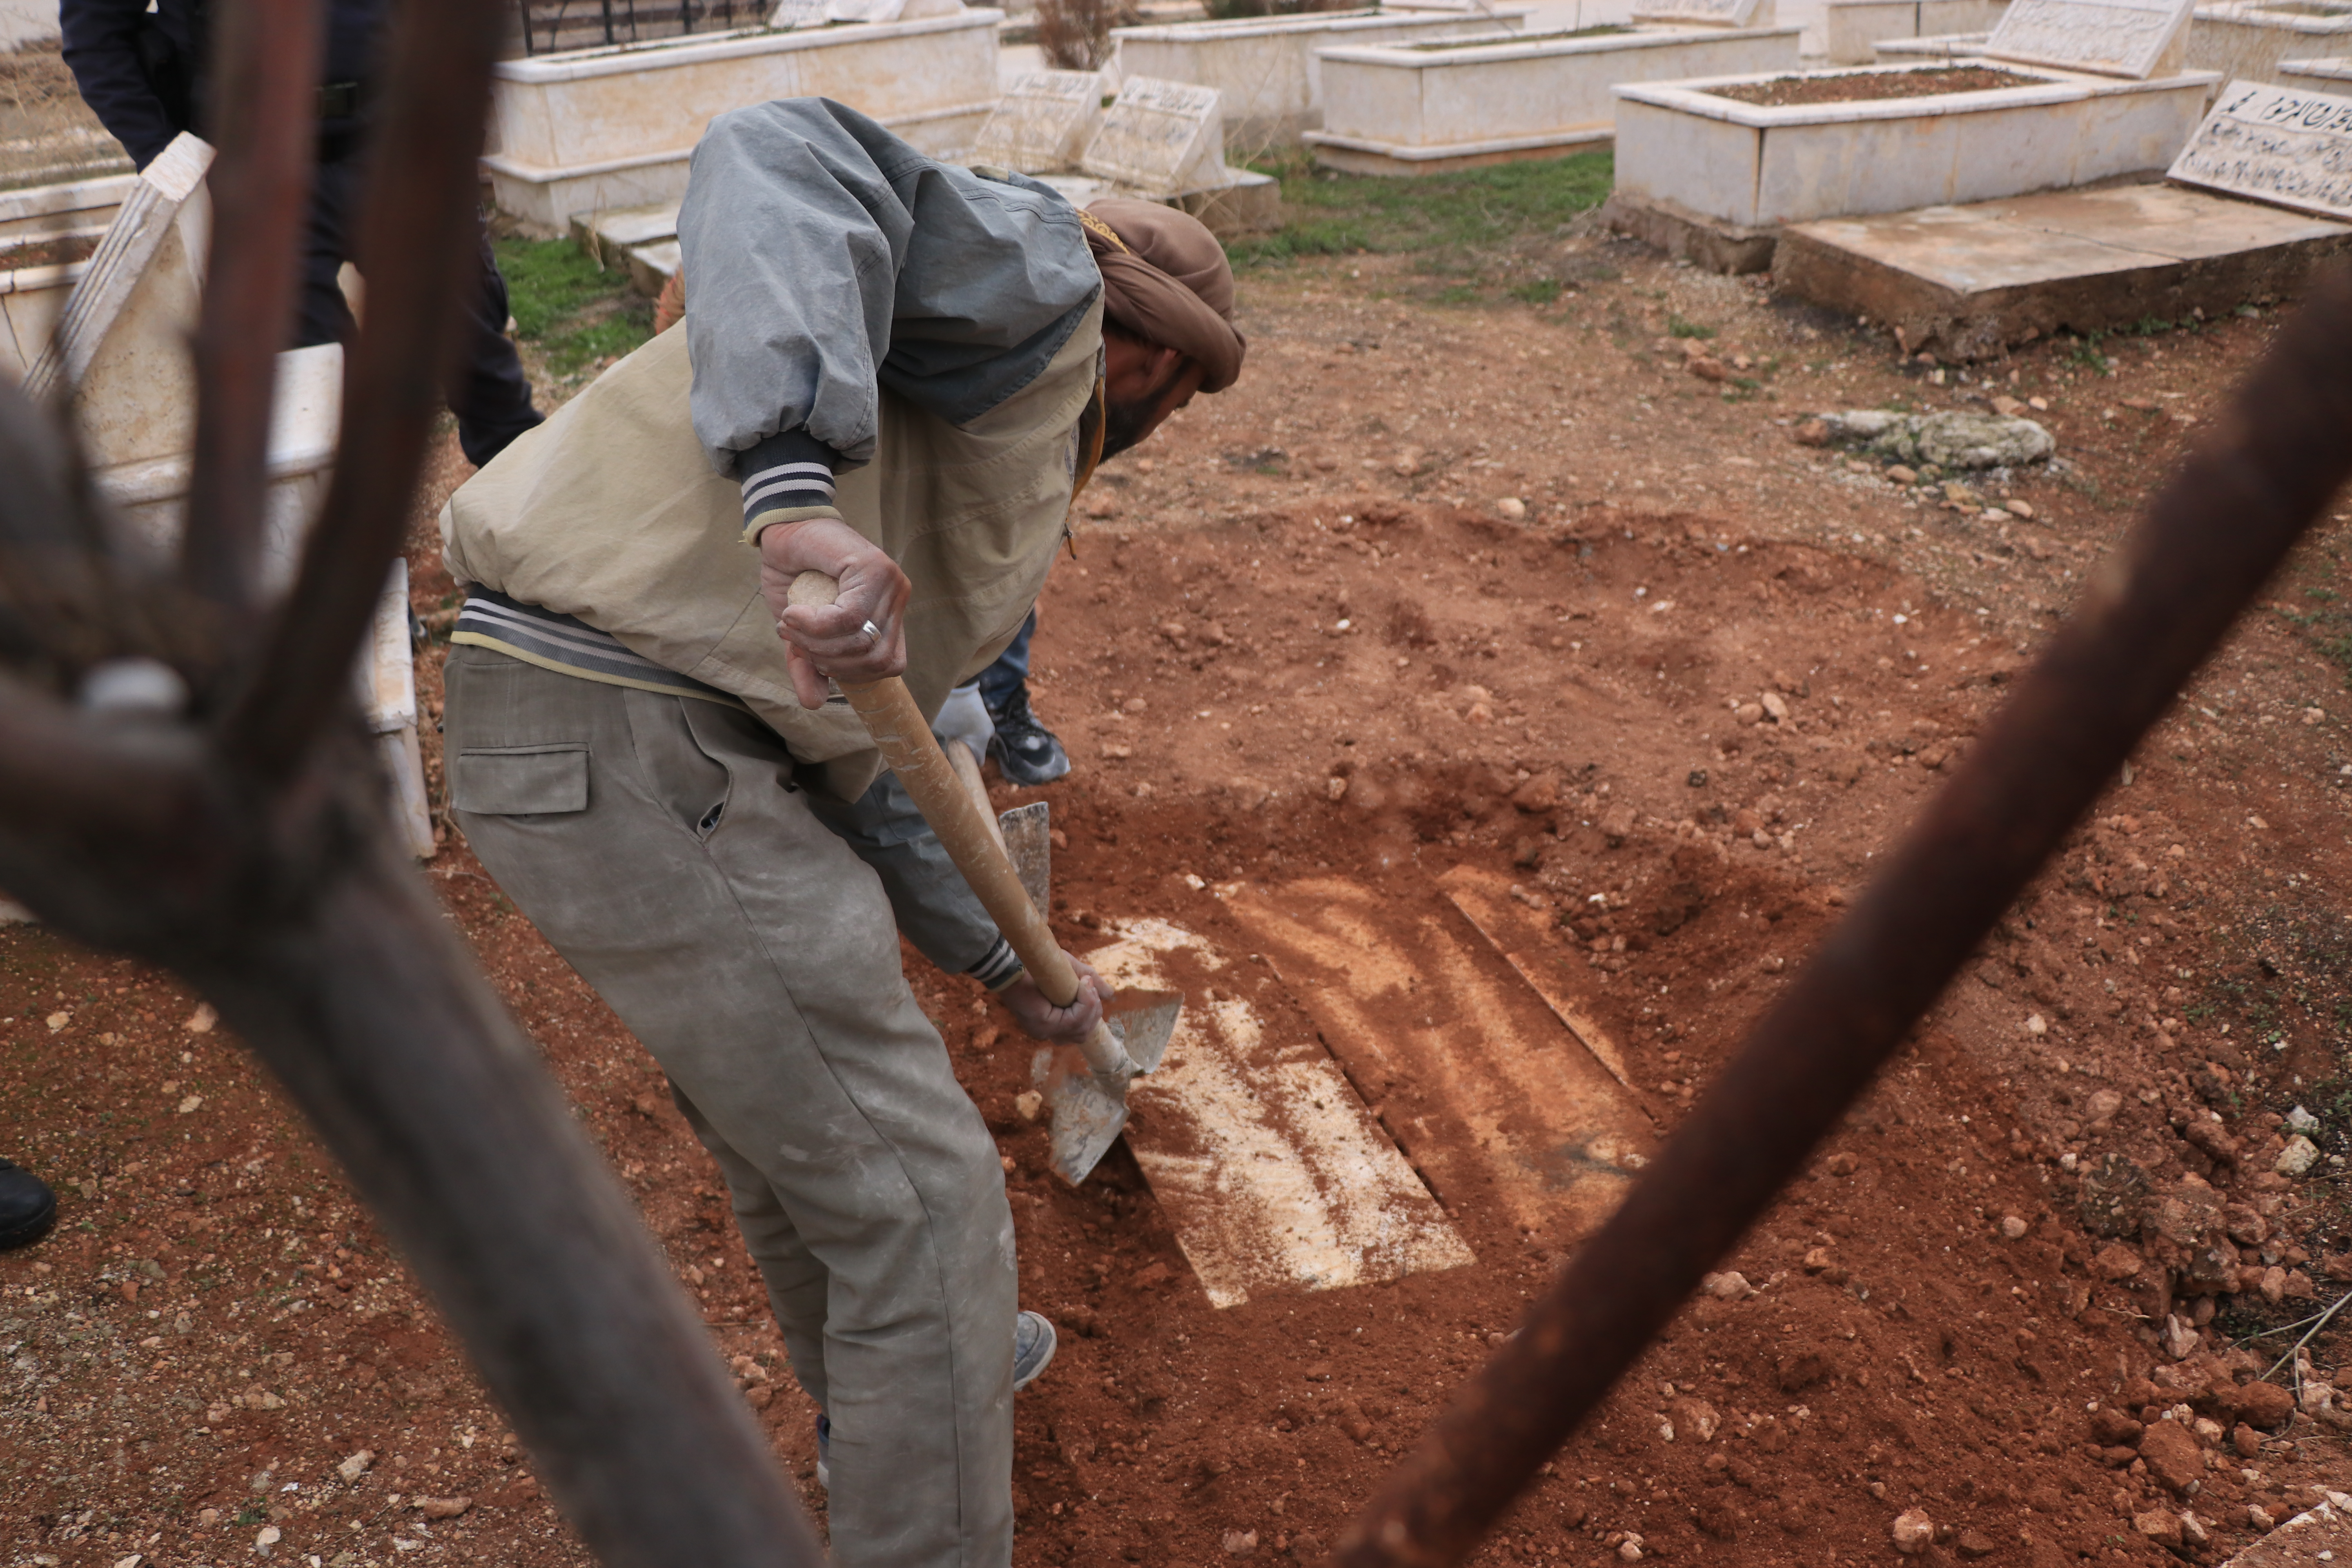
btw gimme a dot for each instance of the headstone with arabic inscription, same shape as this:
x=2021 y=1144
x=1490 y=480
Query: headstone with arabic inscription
x=2135 y=38
x=2275 y=144
x=1046 y=121
x=1707 y=13
x=1161 y=138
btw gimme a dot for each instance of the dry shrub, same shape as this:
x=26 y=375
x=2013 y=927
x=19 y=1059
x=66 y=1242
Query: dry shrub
x=1075 y=34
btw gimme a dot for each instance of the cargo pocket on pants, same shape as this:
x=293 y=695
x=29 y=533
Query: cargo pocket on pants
x=521 y=781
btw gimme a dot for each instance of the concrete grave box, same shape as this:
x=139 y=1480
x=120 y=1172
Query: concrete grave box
x=1855 y=31
x=1045 y=121
x=2283 y=145
x=614 y=127
x=121 y=342
x=2257 y=199
x=1264 y=67
x=2247 y=40
x=2093 y=91
x=1426 y=107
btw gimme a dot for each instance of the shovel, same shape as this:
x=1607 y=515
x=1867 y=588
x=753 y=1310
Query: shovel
x=1084 y=1085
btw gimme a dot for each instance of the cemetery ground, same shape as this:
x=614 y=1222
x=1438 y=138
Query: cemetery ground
x=1505 y=556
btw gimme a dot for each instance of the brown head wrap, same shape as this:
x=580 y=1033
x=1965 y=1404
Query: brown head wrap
x=1166 y=279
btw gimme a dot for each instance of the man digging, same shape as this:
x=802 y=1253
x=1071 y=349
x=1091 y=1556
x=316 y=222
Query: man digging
x=898 y=373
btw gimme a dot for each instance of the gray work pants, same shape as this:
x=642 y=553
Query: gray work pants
x=659 y=843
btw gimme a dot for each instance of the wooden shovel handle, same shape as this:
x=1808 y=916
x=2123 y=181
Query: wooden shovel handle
x=968 y=832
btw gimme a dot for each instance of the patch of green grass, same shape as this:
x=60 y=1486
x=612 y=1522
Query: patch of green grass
x=572 y=311
x=1333 y=213
x=1541 y=291
x=1677 y=327
x=2087 y=353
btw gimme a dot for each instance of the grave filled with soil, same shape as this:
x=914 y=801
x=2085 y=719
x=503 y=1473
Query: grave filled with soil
x=1863 y=87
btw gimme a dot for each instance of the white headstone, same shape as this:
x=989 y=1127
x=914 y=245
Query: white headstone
x=1046 y=121
x=791 y=14
x=2275 y=144
x=1159 y=137
x=1706 y=13
x=2134 y=38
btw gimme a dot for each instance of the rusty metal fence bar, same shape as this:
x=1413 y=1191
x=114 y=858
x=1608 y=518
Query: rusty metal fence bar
x=232 y=828
x=2155 y=610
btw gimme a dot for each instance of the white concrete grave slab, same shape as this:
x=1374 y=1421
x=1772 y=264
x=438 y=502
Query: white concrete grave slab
x=120 y=340
x=1159 y=136
x=1164 y=140
x=1854 y=29
x=1943 y=47
x=1273 y=1174
x=868 y=10
x=1707 y=13
x=1686 y=150
x=2135 y=39
x=588 y=129
x=2317 y=74
x=2249 y=40
x=2282 y=146
x=1266 y=68
x=47 y=234
x=121 y=343
x=1046 y=121
x=1429 y=106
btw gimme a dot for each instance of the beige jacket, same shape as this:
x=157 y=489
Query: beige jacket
x=610 y=511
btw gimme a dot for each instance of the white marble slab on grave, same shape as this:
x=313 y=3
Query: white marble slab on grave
x=2283 y=145
x=1046 y=121
x=1159 y=137
x=1707 y=13
x=2135 y=38
x=2317 y=73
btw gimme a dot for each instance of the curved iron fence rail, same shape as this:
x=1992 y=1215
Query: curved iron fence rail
x=550 y=26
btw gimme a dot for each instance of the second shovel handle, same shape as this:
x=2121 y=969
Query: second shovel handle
x=904 y=737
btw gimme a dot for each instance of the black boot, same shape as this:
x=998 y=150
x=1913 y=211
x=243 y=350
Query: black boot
x=1026 y=751
x=27 y=1207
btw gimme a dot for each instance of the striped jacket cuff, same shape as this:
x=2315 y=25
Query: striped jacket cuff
x=787 y=477
x=999 y=967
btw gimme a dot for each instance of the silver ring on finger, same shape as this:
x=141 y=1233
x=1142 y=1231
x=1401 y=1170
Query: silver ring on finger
x=873 y=633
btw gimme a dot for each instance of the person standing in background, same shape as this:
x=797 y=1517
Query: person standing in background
x=143 y=73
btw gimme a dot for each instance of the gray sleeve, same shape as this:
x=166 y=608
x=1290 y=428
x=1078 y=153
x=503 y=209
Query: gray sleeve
x=935 y=906
x=791 y=236
x=825 y=260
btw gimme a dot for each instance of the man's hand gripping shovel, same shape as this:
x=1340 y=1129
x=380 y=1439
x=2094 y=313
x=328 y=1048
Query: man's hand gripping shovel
x=1084 y=1085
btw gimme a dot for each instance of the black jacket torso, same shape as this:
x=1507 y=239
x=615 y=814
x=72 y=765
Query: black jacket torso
x=143 y=73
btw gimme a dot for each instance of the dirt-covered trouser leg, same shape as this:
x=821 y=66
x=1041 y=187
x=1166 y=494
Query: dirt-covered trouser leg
x=657 y=843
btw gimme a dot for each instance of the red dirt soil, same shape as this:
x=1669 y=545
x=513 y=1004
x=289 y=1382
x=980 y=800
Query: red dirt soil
x=1692 y=667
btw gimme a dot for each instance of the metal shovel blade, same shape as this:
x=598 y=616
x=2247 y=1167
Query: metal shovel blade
x=1028 y=833
x=1087 y=1114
